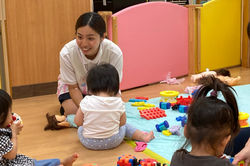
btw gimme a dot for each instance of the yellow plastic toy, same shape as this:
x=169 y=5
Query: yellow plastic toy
x=148 y=105
x=166 y=132
x=142 y=105
x=145 y=108
x=243 y=117
x=241 y=163
x=138 y=103
x=169 y=96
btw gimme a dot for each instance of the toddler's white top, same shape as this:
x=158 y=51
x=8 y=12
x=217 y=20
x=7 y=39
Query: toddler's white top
x=101 y=116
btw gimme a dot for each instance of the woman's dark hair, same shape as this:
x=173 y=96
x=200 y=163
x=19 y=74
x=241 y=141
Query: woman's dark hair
x=103 y=78
x=210 y=119
x=92 y=19
x=5 y=105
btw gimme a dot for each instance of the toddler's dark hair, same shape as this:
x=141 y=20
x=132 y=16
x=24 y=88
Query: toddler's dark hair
x=5 y=105
x=103 y=78
x=210 y=119
x=94 y=20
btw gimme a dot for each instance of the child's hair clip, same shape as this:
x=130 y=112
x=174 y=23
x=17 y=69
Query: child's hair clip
x=213 y=93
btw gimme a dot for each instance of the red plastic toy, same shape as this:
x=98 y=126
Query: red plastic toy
x=184 y=100
x=152 y=113
x=143 y=98
x=126 y=160
x=148 y=162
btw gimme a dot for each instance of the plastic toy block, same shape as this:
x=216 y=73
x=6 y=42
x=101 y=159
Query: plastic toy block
x=180 y=108
x=142 y=108
x=148 y=105
x=152 y=113
x=175 y=130
x=175 y=107
x=183 y=108
x=135 y=162
x=138 y=103
x=241 y=163
x=137 y=100
x=127 y=160
x=149 y=162
x=183 y=120
x=162 y=126
x=143 y=104
x=166 y=132
x=165 y=105
x=184 y=100
x=143 y=98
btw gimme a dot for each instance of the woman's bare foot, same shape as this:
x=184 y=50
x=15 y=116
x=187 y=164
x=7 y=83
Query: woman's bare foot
x=148 y=136
x=70 y=160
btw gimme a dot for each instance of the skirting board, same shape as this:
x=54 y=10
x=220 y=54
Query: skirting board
x=34 y=90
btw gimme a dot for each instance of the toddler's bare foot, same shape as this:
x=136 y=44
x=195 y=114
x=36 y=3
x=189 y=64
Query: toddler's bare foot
x=148 y=136
x=70 y=160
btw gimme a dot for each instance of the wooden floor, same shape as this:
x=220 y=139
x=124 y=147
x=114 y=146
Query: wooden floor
x=40 y=144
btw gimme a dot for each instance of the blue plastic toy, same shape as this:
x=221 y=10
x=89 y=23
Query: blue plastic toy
x=165 y=105
x=137 y=100
x=183 y=120
x=162 y=126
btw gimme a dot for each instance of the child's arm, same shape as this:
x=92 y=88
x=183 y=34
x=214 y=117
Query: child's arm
x=16 y=128
x=79 y=117
x=244 y=154
x=123 y=119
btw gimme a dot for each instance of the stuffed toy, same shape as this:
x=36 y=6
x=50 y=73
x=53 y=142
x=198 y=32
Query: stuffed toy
x=57 y=122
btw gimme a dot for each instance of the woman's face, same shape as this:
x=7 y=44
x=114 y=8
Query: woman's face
x=88 y=41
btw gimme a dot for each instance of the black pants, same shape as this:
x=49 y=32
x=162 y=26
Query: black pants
x=238 y=143
x=64 y=97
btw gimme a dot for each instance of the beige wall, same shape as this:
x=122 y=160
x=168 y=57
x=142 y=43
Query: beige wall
x=36 y=31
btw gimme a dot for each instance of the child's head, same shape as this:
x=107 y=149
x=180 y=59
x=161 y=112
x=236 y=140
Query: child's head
x=103 y=78
x=212 y=121
x=5 y=109
x=223 y=72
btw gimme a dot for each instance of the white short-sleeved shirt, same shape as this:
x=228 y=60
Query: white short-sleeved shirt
x=74 y=65
x=101 y=116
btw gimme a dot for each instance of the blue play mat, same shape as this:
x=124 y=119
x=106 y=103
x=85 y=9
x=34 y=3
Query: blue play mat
x=163 y=145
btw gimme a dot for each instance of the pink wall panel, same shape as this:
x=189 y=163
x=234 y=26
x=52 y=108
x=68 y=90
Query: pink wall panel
x=154 y=40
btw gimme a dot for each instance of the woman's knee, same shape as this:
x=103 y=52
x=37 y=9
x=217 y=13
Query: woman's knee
x=69 y=107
